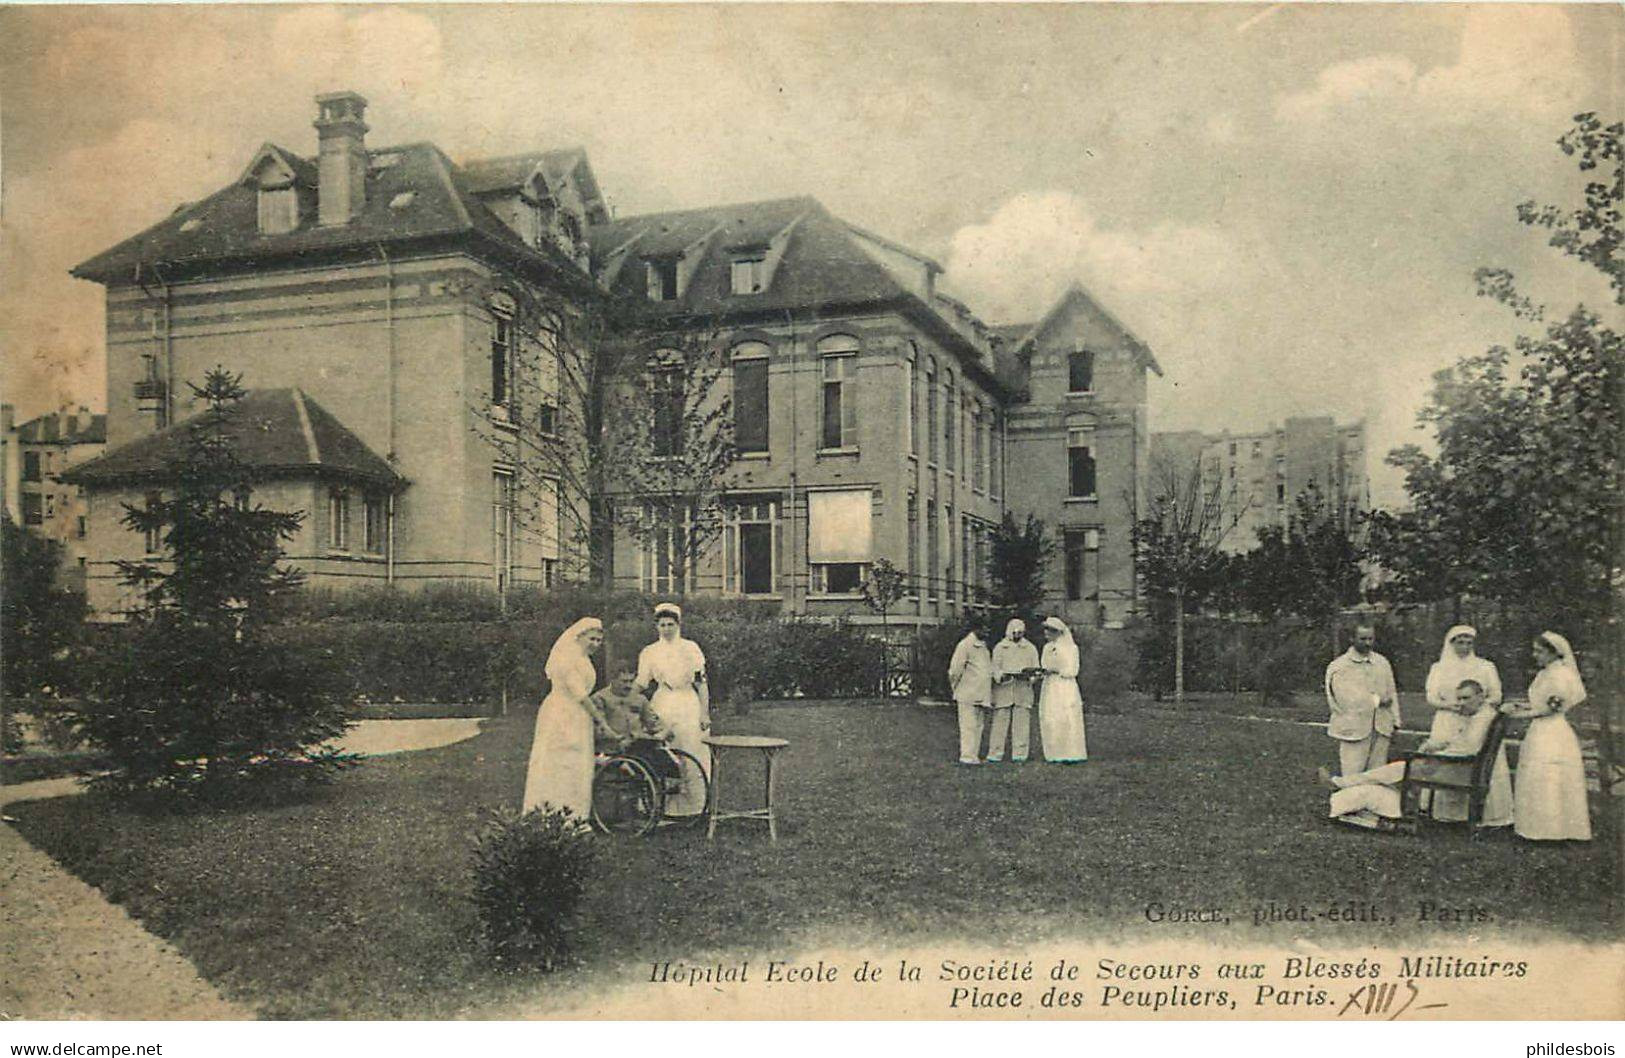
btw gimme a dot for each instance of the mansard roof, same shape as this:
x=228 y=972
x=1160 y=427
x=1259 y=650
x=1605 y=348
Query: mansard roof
x=822 y=268
x=414 y=194
x=276 y=433
x=511 y=172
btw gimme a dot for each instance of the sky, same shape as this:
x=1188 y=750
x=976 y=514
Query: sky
x=1285 y=202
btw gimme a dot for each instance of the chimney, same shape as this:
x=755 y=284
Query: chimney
x=342 y=159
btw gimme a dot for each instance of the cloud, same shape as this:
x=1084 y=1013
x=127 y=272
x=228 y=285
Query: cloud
x=1036 y=244
x=388 y=51
x=1512 y=61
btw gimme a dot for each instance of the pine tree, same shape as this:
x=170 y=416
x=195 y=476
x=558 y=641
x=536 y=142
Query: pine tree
x=195 y=697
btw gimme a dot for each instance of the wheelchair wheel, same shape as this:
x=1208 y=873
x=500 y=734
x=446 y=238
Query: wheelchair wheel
x=626 y=799
x=694 y=776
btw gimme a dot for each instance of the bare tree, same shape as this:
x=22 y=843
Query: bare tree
x=1177 y=544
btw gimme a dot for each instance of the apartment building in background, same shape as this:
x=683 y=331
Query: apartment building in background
x=1263 y=473
x=37 y=454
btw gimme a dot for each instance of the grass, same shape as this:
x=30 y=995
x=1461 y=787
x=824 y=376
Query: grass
x=355 y=903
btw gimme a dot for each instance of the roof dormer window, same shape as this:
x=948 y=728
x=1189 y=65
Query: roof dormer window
x=749 y=273
x=663 y=279
x=278 y=209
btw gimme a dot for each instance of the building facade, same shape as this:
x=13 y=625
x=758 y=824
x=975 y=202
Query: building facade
x=37 y=455
x=429 y=315
x=1263 y=474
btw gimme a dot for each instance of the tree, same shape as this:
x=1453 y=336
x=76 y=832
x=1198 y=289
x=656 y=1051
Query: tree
x=1308 y=568
x=670 y=446
x=1177 y=545
x=1523 y=501
x=1018 y=565
x=884 y=587
x=39 y=622
x=195 y=697
x=587 y=407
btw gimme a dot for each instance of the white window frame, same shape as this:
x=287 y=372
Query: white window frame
x=338 y=519
x=838 y=352
x=503 y=496
x=648 y=579
x=733 y=566
x=503 y=334
x=747 y=274
x=277 y=210
x=1083 y=438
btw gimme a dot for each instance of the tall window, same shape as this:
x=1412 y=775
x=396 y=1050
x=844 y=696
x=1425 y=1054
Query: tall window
x=978 y=466
x=1080 y=544
x=1080 y=464
x=949 y=571
x=750 y=396
x=34 y=511
x=839 y=539
x=502 y=497
x=995 y=454
x=751 y=546
x=666 y=401
x=838 y=353
x=950 y=409
x=1080 y=371
x=549 y=519
x=152 y=538
x=501 y=353
x=338 y=520
x=547 y=396
x=911 y=375
x=31 y=471
x=665 y=549
x=373 y=525
x=933 y=547
x=749 y=275
x=931 y=412
x=913 y=542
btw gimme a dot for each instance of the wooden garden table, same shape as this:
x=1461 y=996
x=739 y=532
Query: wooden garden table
x=769 y=747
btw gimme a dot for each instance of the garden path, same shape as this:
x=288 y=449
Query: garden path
x=66 y=953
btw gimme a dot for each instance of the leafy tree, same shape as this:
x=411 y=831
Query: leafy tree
x=1177 y=548
x=195 y=698
x=1018 y=565
x=884 y=587
x=39 y=622
x=670 y=446
x=1523 y=501
x=1309 y=568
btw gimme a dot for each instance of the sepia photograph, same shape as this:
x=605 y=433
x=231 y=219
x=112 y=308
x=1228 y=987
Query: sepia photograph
x=749 y=511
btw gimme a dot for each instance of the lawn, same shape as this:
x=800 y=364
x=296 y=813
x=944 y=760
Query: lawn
x=355 y=903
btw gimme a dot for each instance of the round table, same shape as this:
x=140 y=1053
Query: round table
x=769 y=747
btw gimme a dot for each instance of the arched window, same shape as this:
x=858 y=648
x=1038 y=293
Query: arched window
x=838 y=354
x=750 y=396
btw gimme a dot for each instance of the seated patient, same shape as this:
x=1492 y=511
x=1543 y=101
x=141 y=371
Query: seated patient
x=1458 y=732
x=627 y=723
x=621 y=713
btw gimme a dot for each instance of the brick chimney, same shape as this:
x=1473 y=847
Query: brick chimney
x=342 y=159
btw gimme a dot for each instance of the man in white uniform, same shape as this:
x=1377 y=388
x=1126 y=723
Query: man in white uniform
x=1364 y=704
x=970 y=674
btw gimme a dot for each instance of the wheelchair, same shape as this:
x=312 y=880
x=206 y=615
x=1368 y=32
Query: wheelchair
x=631 y=786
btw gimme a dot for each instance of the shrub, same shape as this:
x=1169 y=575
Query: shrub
x=40 y=624
x=1106 y=669
x=530 y=873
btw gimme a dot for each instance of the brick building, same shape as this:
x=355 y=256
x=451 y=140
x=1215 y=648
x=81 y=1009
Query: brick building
x=396 y=316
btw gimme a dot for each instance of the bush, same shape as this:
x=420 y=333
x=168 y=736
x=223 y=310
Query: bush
x=1106 y=670
x=530 y=873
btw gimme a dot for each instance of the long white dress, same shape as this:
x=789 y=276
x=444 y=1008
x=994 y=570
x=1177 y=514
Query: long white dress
x=673 y=665
x=1060 y=706
x=560 y=771
x=1550 y=791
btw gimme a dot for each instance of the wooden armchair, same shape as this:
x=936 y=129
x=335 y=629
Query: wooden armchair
x=1465 y=775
